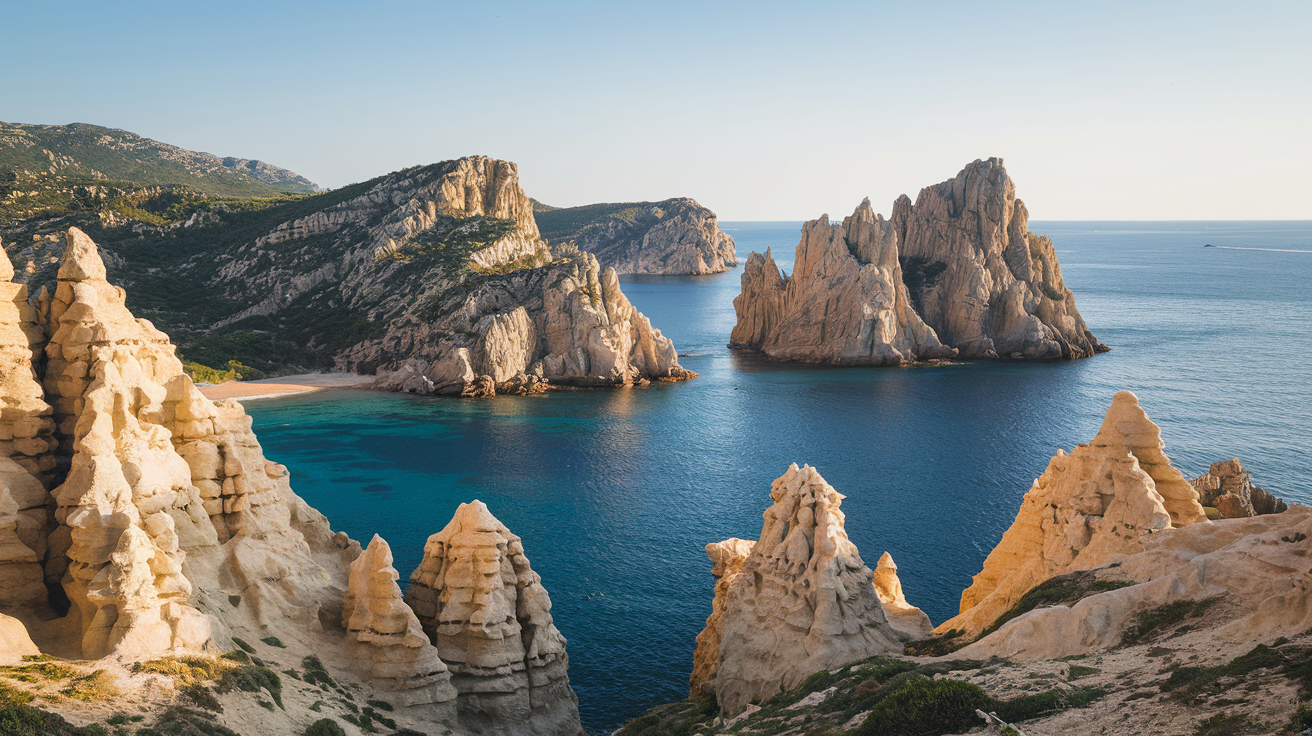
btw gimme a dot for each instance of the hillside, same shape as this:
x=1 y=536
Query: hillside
x=671 y=237
x=92 y=152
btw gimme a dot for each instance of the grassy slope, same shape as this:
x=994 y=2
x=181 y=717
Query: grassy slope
x=564 y=223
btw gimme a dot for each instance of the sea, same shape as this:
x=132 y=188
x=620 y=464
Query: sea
x=616 y=492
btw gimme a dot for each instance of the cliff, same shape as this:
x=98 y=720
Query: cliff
x=797 y=601
x=435 y=278
x=143 y=533
x=676 y=236
x=956 y=274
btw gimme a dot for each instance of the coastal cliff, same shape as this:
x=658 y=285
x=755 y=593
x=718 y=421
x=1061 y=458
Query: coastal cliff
x=145 y=534
x=957 y=274
x=1112 y=605
x=434 y=278
x=675 y=236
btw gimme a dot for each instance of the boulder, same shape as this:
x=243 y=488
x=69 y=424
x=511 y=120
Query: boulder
x=1228 y=488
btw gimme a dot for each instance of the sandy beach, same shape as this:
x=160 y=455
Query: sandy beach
x=270 y=388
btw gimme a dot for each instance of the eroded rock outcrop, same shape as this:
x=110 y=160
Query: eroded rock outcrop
x=1229 y=489
x=676 y=236
x=387 y=640
x=799 y=602
x=957 y=273
x=844 y=303
x=26 y=459
x=910 y=621
x=1100 y=503
x=567 y=323
x=485 y=609
x=727 y=560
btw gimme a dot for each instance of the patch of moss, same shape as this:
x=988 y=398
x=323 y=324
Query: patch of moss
x=274 y=641
x=1077 y=671
x=244 y=646
x=315 y=674
x=381 y=705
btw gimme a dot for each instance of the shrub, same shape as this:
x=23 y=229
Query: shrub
x=324 y=727
x=98 y=685
x=925 y=707
x=251 y=679
x=1150 y=622
x=274 y=641
x=177 y=721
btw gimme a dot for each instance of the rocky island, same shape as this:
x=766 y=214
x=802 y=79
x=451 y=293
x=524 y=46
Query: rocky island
x=1112 y=605
x=956 y=274
x=155 y=562
x=675 y=236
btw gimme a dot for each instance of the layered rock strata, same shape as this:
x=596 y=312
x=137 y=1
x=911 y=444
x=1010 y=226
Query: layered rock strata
x=799 y=601
x=567 y=323
x=26 y=459
x=485 y=609
x=956 y=273
x=386 y=639
x=1229 y=489
x=1100 y=503
x=676 y=236
x=844 y=303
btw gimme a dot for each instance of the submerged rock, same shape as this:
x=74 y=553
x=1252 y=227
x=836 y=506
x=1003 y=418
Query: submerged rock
x=1096 y=505
x=956 y=274
x=485 y=609
x=798 y=601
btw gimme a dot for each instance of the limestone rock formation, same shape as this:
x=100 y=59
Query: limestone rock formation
x=676 y=236
x=1254 y=569
x=485 y=609
x=14 y=641
x=727 y=560
x=1228 y=488
x=1100 y=503
x=844 y=303
x=388 y=642
x=988 y=286
x=910 y=621
x=567 y=323
x=955 y=274
x=26 y=460
x=801 y=600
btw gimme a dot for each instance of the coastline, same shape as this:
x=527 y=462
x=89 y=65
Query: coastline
x=282 y=386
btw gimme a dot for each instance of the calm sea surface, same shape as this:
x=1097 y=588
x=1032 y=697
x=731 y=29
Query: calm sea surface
x=615 y=492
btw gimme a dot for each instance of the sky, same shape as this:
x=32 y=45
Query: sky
x=760 y=110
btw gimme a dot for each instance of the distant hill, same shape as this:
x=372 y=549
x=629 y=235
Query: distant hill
x=564 y=223
x=91 y=152
x=671 y=237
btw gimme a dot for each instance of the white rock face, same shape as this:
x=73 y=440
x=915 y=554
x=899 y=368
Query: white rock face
x=727 y=560
x=844 y=303
x=676 y=236
x=389 y=644
x=801 y=600
x=1098 y=504
x=14 y=641
x=955 y=274
x=485 y=609
x=910 y=621
x=567 y=324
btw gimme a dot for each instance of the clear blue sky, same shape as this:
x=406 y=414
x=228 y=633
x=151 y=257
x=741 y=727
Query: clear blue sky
x=1108 y=110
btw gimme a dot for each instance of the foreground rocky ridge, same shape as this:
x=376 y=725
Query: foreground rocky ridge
x=957 y=274
x=671 y=237
x=1112 y=588
x=144 y=533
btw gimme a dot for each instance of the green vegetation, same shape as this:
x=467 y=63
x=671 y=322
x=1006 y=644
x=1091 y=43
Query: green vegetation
x=1196 y=684
x=1063 y=590
x=179 y=721
x=1077 y=671
x=273 y=641
x=450 y=242
x=234 y=372
x=1223 y=724
x=324 y=727
x=1153 y=621
x=252 y=679
x=97 y=685
x=901 y=697
x=18 y=717
x=558 y=224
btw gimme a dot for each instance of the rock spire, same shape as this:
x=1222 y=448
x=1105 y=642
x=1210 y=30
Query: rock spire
x=485 y=609
x=798 y=601
x=1090 y=507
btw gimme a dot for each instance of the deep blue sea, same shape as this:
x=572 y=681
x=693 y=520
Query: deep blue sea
x=615 y=492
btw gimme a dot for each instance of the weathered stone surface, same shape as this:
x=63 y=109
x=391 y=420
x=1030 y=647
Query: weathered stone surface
x=485 y=609
x=1098 y=504
x=844 y=303
x=1256 y=567
x=727 y=560
x=389 y=645
x=14 y=641
x=988 y=286
x=1227 y=487
x=801 y=601
x=565 y=323
x=676 y=236
x=955 y=274
x=910 y=621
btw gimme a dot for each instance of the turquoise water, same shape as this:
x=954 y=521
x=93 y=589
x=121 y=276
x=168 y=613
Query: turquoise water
x=615 y=492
